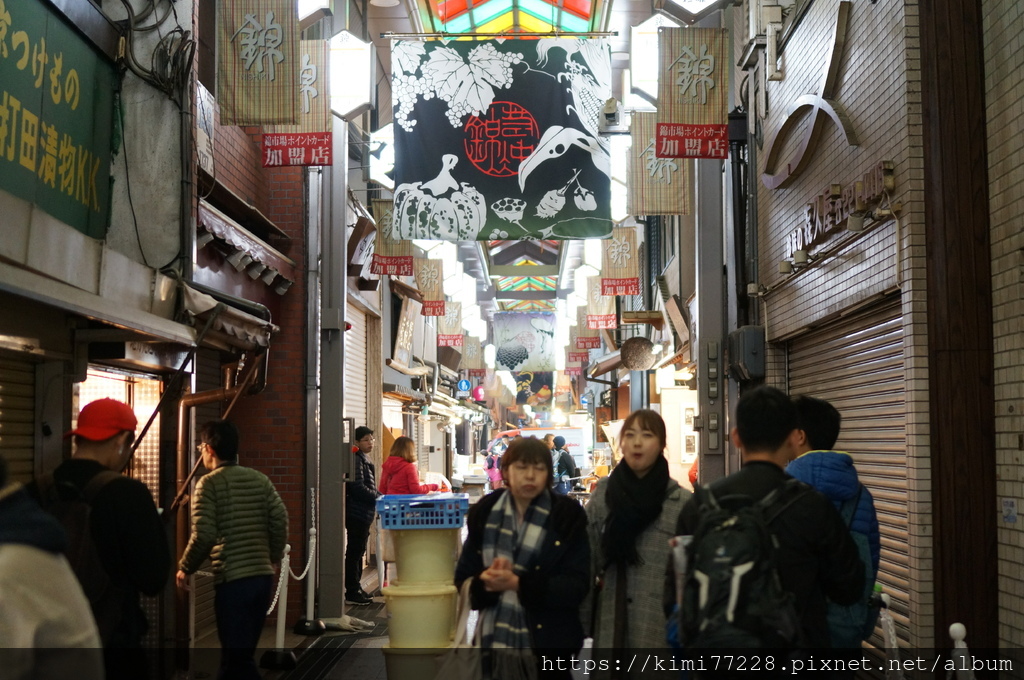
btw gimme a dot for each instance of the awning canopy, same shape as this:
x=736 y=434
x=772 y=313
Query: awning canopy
x=232 y=328
x=404 y=394
x=606 y=364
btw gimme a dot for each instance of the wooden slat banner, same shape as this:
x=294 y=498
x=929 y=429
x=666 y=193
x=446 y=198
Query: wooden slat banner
x=390 y=256
x=311 y=141
x=449 y=326
x=572 y=351
x=600 y=308
x=693 y=93
x=585 y=337
x=620 y=274
x=258 y=62
x=472 y=355
x=429 y=275
x=657 y=186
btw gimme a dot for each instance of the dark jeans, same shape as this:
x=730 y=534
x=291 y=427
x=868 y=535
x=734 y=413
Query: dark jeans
x=241 y=609
x=357 y=535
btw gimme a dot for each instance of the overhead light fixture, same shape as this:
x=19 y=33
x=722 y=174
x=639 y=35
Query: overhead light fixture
x=801 y=258
x=384 y=3
x=239 y=260
x=855 y=222
x=203 y=239
x=255 y=270
x=785 y=267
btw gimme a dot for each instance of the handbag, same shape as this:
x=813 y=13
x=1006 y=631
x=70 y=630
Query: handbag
x=461 y=661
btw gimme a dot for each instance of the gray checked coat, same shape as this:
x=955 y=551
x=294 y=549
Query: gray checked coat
x=645 y=582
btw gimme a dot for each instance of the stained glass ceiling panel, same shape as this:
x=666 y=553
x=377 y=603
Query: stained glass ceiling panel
x=525 y=283
x=527 y=306
x=499 y=16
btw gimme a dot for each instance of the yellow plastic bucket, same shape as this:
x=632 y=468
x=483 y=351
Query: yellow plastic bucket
x=420 y=616
x=425 y=556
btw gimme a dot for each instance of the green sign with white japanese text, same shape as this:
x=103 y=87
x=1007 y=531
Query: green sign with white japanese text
x=56 y=117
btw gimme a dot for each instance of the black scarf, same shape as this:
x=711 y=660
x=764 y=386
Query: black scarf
x=633 y=503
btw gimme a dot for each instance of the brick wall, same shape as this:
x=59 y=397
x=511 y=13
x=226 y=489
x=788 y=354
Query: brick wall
x=1004 y=85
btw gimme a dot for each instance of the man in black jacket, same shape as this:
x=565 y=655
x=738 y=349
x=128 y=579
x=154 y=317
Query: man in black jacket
x=817 y=559
x=360 y=511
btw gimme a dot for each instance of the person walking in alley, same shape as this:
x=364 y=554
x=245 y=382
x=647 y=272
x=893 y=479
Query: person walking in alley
x=46 y=627
x=815 y=558
x=633 y=515
x=118 y=546
x=528 y=556
x=240 y=523
x=399 y=475
x=833 y=474
x=360 y=511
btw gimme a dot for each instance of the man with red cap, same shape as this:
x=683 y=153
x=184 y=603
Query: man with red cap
x=126 y=550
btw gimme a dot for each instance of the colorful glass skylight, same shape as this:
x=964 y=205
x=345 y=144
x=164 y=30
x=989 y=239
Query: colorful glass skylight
x=512 y=16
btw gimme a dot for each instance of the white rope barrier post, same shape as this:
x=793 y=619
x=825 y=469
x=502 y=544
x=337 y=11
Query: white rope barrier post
x=309 y=625
x=280 y=658
x=961 y=657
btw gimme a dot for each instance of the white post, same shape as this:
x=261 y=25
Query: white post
x=310 y=580
x=282 y=600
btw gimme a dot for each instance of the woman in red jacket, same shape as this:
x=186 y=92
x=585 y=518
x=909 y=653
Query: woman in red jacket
x=399 y=475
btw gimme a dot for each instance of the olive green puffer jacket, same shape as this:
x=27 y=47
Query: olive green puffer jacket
x=239 y=522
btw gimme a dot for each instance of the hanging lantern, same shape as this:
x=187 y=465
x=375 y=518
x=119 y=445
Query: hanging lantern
x=637 y=354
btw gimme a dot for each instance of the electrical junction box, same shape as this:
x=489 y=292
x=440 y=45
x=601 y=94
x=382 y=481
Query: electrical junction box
x=747 y=353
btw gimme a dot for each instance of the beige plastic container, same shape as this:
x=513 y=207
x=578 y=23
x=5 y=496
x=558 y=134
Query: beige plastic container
x=420 y=616
x=410 y=664
x=425 y=556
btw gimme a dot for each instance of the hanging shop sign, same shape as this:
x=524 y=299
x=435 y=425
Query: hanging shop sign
x=429 y=275
x=586 y=338
x=657 y=186
x=620 y=274
x=391 y=257
x=473 y=356
x=449 y=326
x=498 y=139
x=693 y=93
x=524 y=341
x=311 y=141
x=56 y=117
x=600 y=307
x=352 y=71
x=830 y=211
x=258 y=62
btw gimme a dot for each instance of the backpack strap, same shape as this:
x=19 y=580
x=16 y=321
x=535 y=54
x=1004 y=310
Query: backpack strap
x=778 y=500
x=95 y=484
x=849 y=507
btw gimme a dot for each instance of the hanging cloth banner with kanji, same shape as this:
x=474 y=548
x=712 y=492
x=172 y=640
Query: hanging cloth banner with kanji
x=498 y=139
x=657 y=186
x=449 y=326
x=473 y=357
x=619 y=272
x=390 y=256
x=571 y=352
x=573 y=370
x=311 y=141
x=585 y=337
x=429 y=276
x=693 y=93
x=600 y=307
x=524 y=341
x=258 y=62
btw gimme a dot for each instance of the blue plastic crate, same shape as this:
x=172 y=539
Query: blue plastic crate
x=434 y=511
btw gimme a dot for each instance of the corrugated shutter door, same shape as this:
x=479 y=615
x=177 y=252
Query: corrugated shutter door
x=17 y=416
x=355 y=367
x=857 y=364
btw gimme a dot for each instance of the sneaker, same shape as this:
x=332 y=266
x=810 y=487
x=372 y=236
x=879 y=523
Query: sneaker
x=358 y=598
x=367 y=595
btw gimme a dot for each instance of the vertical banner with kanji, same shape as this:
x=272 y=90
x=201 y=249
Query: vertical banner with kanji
x=693 y=93
x=573 y=370
x=600 y=307
x=390 y=257
x=586 y=339
x=572 y=353
x=310 y=142
x=429 y=276
x=473 y=357
x=258 y=62
x=449 y=326
x=403 y=351
x=619 y=272
x=657 y=186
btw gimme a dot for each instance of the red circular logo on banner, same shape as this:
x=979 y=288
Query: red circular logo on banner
x=499 y=140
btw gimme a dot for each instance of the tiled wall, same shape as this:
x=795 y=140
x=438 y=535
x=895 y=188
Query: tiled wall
x=878 y=88
x=1004 y=93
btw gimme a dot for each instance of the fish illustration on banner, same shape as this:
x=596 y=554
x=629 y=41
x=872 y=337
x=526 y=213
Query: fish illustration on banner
x=498 y=139
x=525 y=341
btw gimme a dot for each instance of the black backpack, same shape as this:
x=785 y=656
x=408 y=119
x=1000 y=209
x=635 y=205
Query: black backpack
x=732 y=595
x=73 y=508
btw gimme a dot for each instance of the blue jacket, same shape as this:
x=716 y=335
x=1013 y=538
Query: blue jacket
x=833 y=474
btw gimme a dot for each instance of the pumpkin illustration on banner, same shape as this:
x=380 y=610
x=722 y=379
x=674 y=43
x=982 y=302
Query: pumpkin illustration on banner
x=498 y=139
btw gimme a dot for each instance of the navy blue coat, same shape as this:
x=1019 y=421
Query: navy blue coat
x=552 y=593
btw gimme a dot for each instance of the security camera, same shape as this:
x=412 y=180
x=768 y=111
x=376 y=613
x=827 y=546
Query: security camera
x=611 y=111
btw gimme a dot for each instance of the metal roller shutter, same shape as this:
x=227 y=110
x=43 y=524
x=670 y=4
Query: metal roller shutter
x=355 y=367
x=857 y=364
x=17 y=416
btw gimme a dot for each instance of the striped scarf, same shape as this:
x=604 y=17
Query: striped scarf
x=504 y=626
